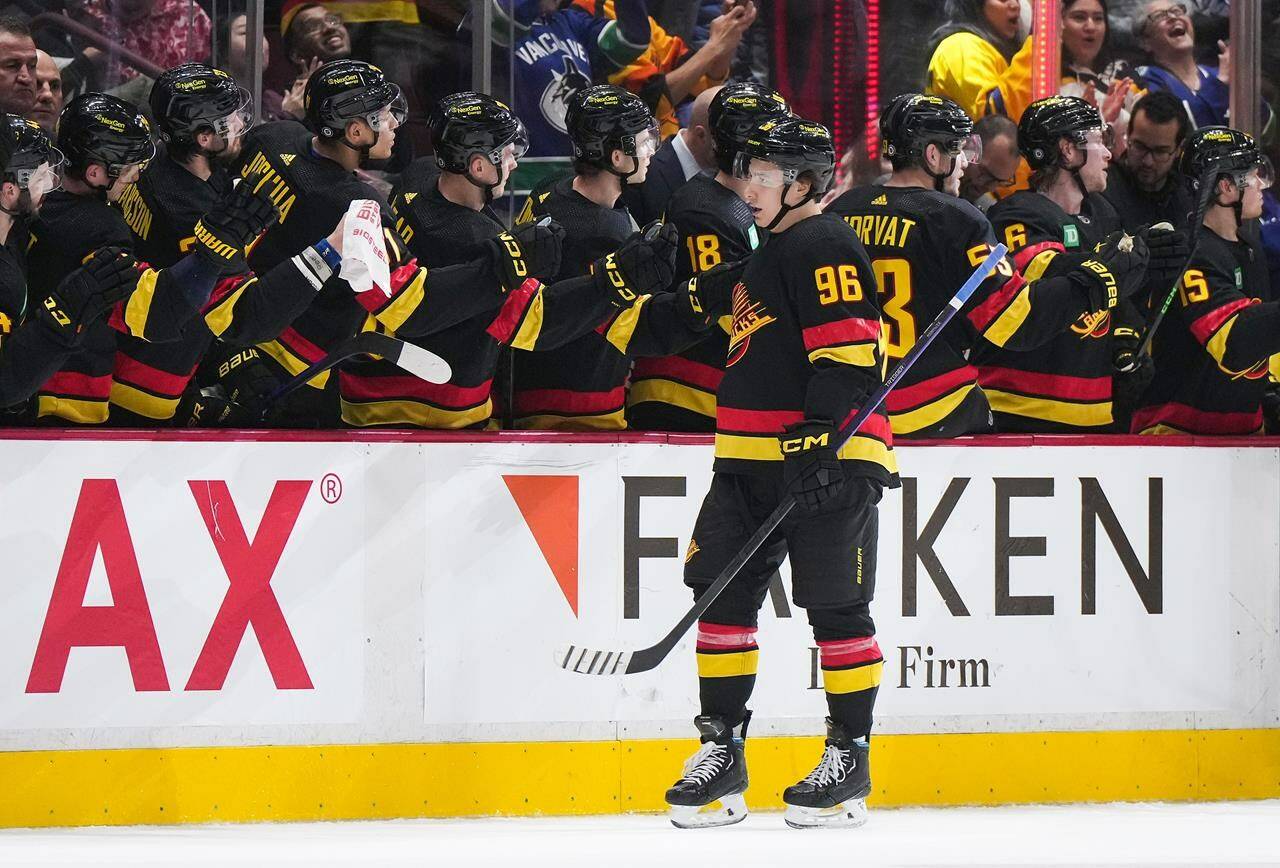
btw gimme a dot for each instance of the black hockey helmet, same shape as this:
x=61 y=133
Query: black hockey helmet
x=29 y=149
x=104 y=129
x=603 y=118
x=195 y=97
x=469 y=124
x=735 y=112
x=797 y=147
x=1048 y=121
x=1211 y=152
x=913 y=121
x=345 y=90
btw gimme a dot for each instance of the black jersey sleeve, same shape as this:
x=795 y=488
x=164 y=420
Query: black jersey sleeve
x=1239 y=332
x=832 y=289
x=28 y=358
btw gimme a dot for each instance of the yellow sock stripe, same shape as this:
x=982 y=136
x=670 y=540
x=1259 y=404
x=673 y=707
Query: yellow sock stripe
x=852 y=680
x=728 y=665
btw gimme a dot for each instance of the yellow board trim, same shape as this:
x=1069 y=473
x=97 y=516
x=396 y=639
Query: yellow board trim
x=374 y=781
x=929 y=414
x=677 y=394
x=852 y=680
x=369 y=414
x=1084 y=415
x=73 y=410
x=144 y=404
x=139 y=304
x=728 y=665
x=293 y=364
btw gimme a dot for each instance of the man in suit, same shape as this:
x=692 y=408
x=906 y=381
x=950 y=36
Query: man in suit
x=682 y=156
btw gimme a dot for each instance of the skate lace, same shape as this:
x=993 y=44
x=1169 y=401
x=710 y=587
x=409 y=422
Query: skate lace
x=706 y=763
x=831 y=769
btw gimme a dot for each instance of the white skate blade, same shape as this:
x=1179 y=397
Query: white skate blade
x=849 y=815
x=723 y=812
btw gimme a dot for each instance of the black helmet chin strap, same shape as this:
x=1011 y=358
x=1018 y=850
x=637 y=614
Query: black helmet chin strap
x=940 y=178
x=487 y=188
x=785 y=209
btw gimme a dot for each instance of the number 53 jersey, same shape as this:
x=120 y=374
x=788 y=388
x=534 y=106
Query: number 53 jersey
x=923 y=246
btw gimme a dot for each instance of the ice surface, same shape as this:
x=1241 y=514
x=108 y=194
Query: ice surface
x=1218 y=834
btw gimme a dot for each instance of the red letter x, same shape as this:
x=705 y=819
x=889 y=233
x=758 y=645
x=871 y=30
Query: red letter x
x=249 y=568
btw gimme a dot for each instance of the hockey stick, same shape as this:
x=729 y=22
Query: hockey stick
x=1197 y=229
x=423 y=364
x=586 y=661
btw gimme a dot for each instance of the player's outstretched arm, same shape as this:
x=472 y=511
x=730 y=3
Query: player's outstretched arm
x=1239 y=332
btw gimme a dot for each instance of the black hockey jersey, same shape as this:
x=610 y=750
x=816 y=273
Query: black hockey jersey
x=678 y=392
x=162 y=210
x=806 y=343
x=1212 y=350
x=1063 y=386
x=581 y=385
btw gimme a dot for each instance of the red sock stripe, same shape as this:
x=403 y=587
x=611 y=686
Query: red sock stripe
x=725 y=637
x=849 y=652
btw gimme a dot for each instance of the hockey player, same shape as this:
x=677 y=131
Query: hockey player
x=1212 y=350
x=107 y=144
x=582 y=385
x=36 y=340
x=448 y=220
x=678 y=392
x=806 y=349
x=924 y=242
x=353 y=112
x=1065 y=386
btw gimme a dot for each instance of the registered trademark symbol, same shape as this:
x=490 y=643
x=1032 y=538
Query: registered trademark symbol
x=331 y=488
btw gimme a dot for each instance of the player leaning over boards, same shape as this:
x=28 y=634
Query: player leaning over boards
x=678 y=392
x=806 y=349
x=1212 y=351
x=1065 y=386
x=924 y=241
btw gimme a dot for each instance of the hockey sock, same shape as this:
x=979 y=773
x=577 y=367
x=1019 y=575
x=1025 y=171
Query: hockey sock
x=851 y=670
x=727 y=659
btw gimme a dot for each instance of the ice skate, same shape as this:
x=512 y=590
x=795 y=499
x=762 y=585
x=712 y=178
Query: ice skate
x=710 y=791
x=833 y=794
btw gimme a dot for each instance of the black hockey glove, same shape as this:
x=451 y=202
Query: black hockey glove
x=1117 y=269
x=644 y=265
x=811 y=472
x=1271 y=408
x=530 y=251
x=1124 y=349
x=1169 y=249
x=709 y=295
x=87 y=293
x=237 y=398
x=228 y=228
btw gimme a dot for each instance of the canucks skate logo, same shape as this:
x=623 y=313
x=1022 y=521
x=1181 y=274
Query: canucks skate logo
x=748 y=318
x=555 y=99
x=1093 y=325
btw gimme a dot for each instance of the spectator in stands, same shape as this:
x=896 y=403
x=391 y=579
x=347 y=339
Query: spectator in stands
x=17 y=67
x=978 y=59
x=48 y=94
x=313 y=36
x=1142 y=184
x=997 y=168
x=167 y=32
x=558 y=52
x=1166 y=33
x=236 y=38
x=1090 y=68
x=682 y=156
x=669 y=71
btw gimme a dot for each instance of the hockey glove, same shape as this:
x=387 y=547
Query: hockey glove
x=1169 y=251
x=1271 y=408
x=642 y=266
x=709 y=295
x=87 y=293
x=237 y=398
x=811 y=471
x=224 y=233
x=1116 y=270
x=530 y=251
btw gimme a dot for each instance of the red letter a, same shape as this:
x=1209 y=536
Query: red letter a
x=98 y=523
